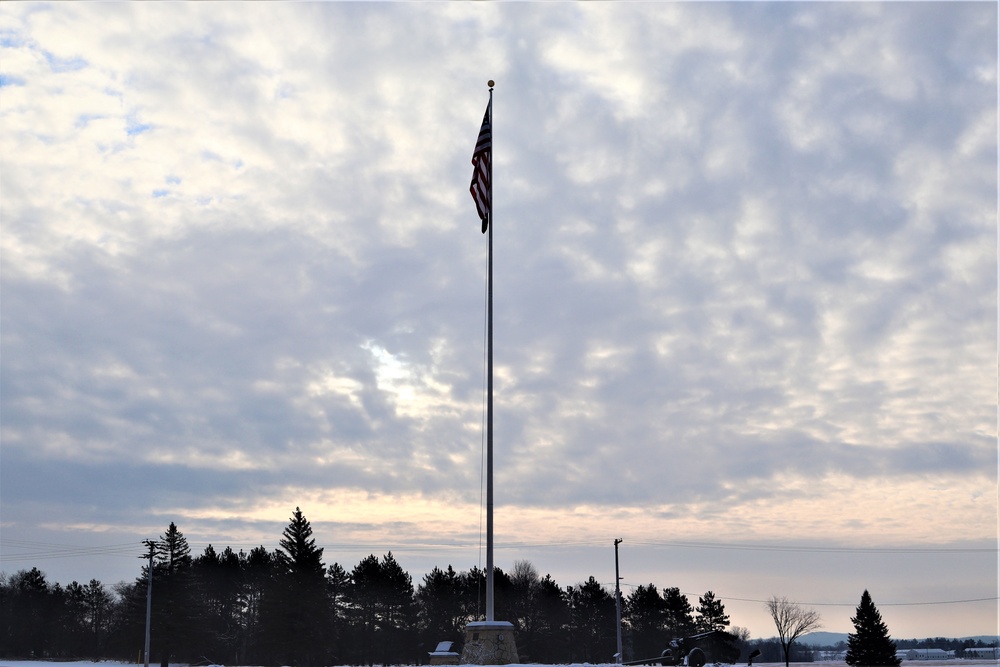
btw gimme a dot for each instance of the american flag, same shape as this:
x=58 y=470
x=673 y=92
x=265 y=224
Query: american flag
x=480 y=188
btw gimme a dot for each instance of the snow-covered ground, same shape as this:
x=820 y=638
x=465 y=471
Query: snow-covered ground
x=906 y=663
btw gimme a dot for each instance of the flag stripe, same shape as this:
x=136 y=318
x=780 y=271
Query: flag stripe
x=481 y=188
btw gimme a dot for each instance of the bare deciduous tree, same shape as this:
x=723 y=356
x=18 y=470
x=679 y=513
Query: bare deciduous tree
x=792 y=621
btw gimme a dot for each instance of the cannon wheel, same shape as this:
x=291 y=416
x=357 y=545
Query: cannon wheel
x=696 y=658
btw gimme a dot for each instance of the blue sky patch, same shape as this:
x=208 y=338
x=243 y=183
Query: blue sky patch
x=58 y=64
x=9 y=80
x=133 y=126
x=11 y=40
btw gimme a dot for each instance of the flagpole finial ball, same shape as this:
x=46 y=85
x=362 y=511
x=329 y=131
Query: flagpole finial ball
x=490 y=83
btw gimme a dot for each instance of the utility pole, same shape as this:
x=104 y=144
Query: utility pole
x=149 y=594
x=618 y=606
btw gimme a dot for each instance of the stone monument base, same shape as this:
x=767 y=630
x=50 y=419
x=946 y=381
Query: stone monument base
x=489 y=643
x=443 y=655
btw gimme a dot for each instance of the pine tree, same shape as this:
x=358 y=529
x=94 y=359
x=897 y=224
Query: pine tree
x=175 y=629
x=299 y=553
x=218 y=580
x=678 y=621
x=440 y=614
x=27 y=628
x=870 y=645
x=711 y=613
x=295 y=609
x=383 y=610
x=592 y=622
x=258 y=570
x=554 y=614
x=645 y=614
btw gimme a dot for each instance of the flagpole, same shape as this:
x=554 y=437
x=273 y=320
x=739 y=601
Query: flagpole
x=488 y=642
x=489 y=391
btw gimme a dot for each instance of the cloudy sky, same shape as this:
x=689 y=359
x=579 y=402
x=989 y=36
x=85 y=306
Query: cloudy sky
x=745 y=292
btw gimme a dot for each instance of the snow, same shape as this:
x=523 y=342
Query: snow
x=824 y=663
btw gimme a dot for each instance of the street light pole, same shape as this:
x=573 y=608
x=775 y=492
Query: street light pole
x=618 y=605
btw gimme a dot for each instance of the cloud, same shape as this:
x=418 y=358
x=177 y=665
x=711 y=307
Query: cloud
x=744 y=261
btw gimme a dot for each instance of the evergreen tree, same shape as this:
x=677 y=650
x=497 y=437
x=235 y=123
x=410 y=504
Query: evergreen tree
x=85 y=611
x=472 y=593
x=678 y=619
x=28 y=615
x=870 y=644
x=174 y=623
x=553 y=610
x=218 y=580
x=295 y=608
x=338 y=591
x=99 y=606
x=383 y=611
x=71 y=636
x=711 y=614
x=258 y=570
x=400 y=613
x=299 y=554
x=503 y=594
x=440 y=613
x=365 y=608
x=645 y=615
x=592 y=622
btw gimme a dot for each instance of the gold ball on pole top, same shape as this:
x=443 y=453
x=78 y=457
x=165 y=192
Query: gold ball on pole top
x=490 y=83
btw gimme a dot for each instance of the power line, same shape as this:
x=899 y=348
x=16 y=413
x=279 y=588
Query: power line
x=48 y=550
x=812 y=549
x=28 y=550
x=727 y=598
x=880 y=604
x=44 y=550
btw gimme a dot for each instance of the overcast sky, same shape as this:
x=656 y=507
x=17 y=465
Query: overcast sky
x=745 y=292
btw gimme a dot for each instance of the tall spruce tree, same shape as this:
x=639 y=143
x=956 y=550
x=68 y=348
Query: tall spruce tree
x=711 y=613
x=295 y=608
x=175 y=631
x=870 y=645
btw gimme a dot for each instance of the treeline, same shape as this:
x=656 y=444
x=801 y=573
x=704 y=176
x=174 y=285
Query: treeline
x=286 y=607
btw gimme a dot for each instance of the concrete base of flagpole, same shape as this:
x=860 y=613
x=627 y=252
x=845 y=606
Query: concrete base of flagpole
x=489 y=643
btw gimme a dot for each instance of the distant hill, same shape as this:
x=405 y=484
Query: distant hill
x=986 y=639
x=822 y=638
x=832 y=638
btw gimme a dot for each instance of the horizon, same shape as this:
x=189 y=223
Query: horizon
x=735 y=607
x=692 y=598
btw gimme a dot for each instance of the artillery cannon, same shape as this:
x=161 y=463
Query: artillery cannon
x=696 y=650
